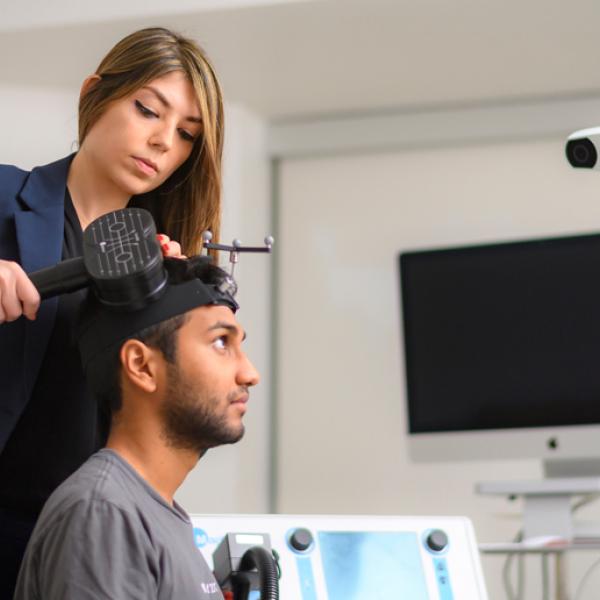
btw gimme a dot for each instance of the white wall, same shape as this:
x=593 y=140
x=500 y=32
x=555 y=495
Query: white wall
x=342 y=445
x=39 y=125
x=236 y=478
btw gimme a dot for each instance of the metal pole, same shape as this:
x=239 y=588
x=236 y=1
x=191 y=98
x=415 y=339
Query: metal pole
x=561 y=576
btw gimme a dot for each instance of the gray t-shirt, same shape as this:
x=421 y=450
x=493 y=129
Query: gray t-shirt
x=106 y=534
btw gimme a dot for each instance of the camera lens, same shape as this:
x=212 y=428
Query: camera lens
x=582 y=153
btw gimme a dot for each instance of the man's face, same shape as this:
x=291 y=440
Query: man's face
x=207 y=386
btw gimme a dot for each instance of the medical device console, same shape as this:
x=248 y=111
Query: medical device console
x=359 y=557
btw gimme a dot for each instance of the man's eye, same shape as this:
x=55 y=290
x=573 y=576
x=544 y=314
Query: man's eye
x=145 y=110
x=220 y=343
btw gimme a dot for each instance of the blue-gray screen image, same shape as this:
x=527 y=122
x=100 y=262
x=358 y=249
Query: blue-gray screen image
x=374 y=565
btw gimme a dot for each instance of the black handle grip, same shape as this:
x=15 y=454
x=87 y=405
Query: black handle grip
x=67 y=276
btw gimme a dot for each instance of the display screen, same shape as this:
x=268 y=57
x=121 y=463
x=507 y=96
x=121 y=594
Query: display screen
x=373 y=565
x=503 y=336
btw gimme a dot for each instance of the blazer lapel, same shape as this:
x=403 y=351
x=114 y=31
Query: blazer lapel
x=40 y=225
x=40 y=231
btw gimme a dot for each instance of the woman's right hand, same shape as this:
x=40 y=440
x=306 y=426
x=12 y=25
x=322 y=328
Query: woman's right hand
x=18 y=295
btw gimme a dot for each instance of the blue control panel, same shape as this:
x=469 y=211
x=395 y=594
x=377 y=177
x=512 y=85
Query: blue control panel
x=355 y=558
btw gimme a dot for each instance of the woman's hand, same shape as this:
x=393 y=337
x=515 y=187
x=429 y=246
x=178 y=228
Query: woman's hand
x=18 y=295
x=169 y=247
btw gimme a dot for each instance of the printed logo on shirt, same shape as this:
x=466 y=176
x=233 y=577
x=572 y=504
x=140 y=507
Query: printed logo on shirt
x=210 y=588
x=201 y=538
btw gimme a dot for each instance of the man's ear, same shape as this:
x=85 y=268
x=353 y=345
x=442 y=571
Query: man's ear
x=140 y=365
x=88 y=83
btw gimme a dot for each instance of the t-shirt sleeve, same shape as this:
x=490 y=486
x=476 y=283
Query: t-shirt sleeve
x=96 y=551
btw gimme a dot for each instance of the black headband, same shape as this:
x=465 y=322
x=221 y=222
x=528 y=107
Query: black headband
x=105 y=326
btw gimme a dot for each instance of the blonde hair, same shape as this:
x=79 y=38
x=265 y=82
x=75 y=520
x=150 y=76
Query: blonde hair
x=189 y=202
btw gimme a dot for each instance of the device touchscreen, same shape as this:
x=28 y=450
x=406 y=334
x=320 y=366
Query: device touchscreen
x=360 y=565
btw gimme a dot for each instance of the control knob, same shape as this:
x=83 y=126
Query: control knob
x=436 y=540
x=301 y=539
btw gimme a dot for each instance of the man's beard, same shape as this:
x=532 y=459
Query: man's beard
x=190 y=417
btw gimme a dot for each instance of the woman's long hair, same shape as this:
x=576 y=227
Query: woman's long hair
x=189 y=202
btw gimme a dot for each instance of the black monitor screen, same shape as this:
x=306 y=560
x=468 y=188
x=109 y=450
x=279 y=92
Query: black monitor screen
x=503 y=336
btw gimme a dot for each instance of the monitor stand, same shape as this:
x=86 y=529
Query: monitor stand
x=548 y=503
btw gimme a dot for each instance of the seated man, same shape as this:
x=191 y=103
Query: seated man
x=174 y=380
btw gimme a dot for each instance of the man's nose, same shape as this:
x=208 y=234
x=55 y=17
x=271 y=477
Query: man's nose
x=247 y=373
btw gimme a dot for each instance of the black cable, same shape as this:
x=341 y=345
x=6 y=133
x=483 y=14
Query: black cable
x=262 y=560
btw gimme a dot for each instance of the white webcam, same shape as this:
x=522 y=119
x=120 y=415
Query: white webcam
x=583 y=147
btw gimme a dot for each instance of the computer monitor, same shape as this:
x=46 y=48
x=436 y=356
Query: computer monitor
x=502 y=352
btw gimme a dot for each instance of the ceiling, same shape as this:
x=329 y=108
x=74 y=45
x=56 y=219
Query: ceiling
x=292 y=59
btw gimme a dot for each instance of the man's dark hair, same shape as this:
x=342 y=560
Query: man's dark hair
x=103 y=372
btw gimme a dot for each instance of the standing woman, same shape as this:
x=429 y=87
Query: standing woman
x=150 y=135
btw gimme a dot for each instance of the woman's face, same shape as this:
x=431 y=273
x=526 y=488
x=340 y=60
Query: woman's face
x=140 y=140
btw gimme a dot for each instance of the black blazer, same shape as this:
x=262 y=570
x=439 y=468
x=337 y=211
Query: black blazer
x=31 y=233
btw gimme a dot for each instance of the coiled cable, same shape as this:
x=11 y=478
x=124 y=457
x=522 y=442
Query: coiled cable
x=263 y=561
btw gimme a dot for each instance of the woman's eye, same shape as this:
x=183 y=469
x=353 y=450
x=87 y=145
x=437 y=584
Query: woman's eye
x=186 y=135
x=145 y=110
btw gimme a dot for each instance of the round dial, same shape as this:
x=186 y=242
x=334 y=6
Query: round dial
x=437 y=540
x=301 y=539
